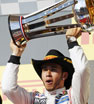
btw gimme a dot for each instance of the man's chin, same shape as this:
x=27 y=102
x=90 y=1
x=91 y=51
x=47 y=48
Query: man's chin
x=49 y=89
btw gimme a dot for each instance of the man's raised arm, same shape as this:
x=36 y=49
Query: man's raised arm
x=81 y=76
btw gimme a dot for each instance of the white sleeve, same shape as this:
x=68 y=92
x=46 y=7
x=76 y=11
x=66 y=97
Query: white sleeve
x=81 y=76
x=10 y=88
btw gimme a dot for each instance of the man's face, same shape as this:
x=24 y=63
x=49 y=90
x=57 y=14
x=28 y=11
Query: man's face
x=52 y=76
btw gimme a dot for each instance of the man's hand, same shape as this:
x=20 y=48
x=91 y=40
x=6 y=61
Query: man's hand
x=17 y=51
x=76 y=32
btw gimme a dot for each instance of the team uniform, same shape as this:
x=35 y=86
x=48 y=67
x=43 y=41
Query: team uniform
x=78 y=93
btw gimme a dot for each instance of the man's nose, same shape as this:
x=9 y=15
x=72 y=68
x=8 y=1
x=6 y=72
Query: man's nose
x=48 y=74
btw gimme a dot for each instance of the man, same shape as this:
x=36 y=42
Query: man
x=65 y=81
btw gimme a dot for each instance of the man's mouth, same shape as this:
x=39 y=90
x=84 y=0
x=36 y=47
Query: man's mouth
x=49 y=82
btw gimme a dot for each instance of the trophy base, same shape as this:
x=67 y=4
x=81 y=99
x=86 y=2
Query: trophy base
x=16 y=30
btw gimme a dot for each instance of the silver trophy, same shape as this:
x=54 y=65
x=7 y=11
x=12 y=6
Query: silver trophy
x=38 y=24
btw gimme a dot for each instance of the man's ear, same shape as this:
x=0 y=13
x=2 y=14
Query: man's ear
x=65 y=75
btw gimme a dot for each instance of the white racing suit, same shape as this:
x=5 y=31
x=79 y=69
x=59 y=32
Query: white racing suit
x=77 y=94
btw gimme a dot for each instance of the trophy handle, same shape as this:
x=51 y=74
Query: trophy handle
x=51 y=31
x=48 y=11
x=54 y=30
x=29 y=26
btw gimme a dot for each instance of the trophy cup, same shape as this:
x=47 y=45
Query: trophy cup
x=25 y=28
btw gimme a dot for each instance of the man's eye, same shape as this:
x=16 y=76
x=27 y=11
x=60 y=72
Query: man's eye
x=53 y=69
x=44 y=69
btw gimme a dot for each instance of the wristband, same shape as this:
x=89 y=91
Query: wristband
x=14 y=59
